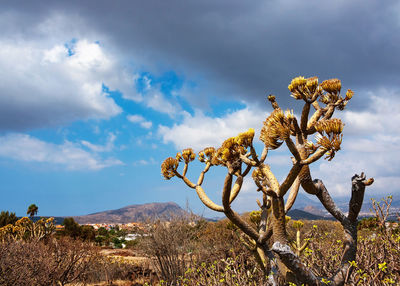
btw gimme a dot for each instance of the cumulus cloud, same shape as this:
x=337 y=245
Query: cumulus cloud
x=157 y=101
x=109 y=146
x=145 y=162
x=136 y=118
x=68 y=155
x=200 y=39
x=47 y=86
x=154 y=98
x=371 y=144
x=199 y=130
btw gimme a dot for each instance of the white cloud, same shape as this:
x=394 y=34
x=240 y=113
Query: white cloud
x=109 y=146
x=200 y=131
x=371 y=144
x=69 y=155
x=382 y=115
x=45 y=86
x=154 y=99
x=144 y=162
x=135 y=118
x=157 y=101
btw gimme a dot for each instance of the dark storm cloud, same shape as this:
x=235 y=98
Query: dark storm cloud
x=244 y=49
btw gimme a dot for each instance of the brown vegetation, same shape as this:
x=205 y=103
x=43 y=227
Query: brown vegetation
x=196 y=252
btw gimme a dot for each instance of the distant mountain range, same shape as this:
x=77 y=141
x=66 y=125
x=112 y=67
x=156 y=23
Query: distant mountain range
x=165 y=211
x=300 y=214
x=135 y=213
x=306 y=207
x=311 y=204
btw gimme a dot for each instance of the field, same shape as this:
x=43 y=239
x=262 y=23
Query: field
x=187 y=252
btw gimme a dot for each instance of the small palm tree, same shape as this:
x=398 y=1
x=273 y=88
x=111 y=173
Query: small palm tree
x=32 y=210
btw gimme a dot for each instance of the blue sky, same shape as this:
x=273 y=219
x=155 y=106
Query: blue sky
x=94 y=96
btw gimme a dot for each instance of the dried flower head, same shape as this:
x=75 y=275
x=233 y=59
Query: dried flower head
x=302 y=88
x=230 y=150
x=245 y=139
x=289 y=114
x=332 y=85
x=331 y=142
x=276 y=129
x=334 y=126
x=188 y=155
x=168 y=167
x=206 y=154
x=349 y=94
x=310 y=146
x=297 y=83
x=312 y=83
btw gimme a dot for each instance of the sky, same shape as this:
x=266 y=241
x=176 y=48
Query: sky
x=94 y=95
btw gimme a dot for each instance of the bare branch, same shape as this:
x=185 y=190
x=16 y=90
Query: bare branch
x=201 y=176
x=292 y=195
x=293 y=173
x=315 y=156
x=327 y=201
x=304 y=117
x=234 y=217
x=207 y=201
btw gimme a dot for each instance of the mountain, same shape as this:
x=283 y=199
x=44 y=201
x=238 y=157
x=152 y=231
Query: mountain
x=134 y=213
x=312 y=205
x=299 y=214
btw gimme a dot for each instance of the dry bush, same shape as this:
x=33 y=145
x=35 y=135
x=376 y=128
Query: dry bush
x=34 y=262
x=210 y=246
x=378 y=254
x=182 y=243
x=170 y=243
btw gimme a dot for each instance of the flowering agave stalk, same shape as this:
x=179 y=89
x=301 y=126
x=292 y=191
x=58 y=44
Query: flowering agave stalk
x=239 y=157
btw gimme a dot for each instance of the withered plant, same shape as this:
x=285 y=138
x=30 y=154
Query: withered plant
x=239 y=157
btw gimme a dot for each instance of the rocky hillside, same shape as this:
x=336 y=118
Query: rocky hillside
x=134 y=213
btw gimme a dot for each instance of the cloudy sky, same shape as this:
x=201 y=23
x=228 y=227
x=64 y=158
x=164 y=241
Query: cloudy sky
x=96 y=94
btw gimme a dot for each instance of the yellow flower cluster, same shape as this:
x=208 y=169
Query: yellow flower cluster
x=255 y=217
x=206 y=154
x=296 y=83
x=298 y=224
x=303 y=87
x=349 y=94
x=332 y=143
x=229 y=152
x=23 y=221
x=312 y=83
x=245 y=139
x=168 y=167
x=332 y=85
x=24 y=228
x=276 y=129
x=187 y=155
x=329 y=126
x=232 y=148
